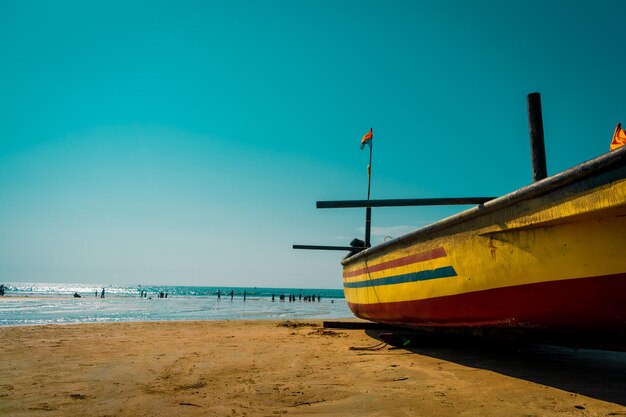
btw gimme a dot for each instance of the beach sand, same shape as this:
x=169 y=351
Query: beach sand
x=269 y=368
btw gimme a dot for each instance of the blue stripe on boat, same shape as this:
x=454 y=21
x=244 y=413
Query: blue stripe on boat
x=445 y=272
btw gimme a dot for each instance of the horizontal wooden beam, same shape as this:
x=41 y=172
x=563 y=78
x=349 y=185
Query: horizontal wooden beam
x=320 y=247
x=403 y=202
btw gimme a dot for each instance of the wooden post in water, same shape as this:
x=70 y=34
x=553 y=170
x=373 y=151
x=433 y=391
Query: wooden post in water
x=537 y=146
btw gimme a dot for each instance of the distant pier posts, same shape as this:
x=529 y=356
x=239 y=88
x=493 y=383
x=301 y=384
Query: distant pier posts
x=537 y=146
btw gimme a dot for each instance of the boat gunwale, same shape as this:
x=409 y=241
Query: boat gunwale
x=564 y=178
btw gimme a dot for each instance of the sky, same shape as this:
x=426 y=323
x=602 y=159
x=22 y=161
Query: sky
x=186 y=142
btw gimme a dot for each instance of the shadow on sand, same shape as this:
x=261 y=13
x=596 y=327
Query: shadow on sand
x=598 y=374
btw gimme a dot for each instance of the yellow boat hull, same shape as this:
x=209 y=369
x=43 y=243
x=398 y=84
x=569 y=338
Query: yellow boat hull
x=551 y=255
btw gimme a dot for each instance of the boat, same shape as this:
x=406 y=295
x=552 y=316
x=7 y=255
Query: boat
x=546 y=262
x=550 y=256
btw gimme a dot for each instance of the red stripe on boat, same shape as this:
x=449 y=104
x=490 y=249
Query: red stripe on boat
x=406 y=260
x=594 y=304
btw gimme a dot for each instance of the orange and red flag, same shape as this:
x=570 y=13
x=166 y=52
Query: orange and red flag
x=367 y=139
x=619 y=137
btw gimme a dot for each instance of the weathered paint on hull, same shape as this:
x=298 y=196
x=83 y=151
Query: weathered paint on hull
x=550 y=257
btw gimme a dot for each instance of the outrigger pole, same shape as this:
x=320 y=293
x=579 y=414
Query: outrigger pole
x=406 y=202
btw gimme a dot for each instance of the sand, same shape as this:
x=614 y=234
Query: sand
x=269 y=368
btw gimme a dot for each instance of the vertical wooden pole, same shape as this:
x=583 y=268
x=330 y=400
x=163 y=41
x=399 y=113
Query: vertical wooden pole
x=368 y=226
x=537 y=146
x=368 y=210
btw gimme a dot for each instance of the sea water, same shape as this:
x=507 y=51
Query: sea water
x=50 y=303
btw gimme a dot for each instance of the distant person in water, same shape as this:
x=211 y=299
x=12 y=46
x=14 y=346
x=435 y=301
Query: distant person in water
x=102 y=294
x=77 y=295
x=219 y=294
x=232 y=294
x=244 y=296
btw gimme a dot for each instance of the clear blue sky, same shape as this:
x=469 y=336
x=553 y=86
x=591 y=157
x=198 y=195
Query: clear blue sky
x=186 y=142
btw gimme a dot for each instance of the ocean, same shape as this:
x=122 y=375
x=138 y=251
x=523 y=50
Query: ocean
x=54 y=303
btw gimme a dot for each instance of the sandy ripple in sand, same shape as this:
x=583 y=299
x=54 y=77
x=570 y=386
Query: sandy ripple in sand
x=267 y=368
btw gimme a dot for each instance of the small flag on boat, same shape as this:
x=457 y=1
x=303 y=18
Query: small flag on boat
x=619 y=137
x=367 y=139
